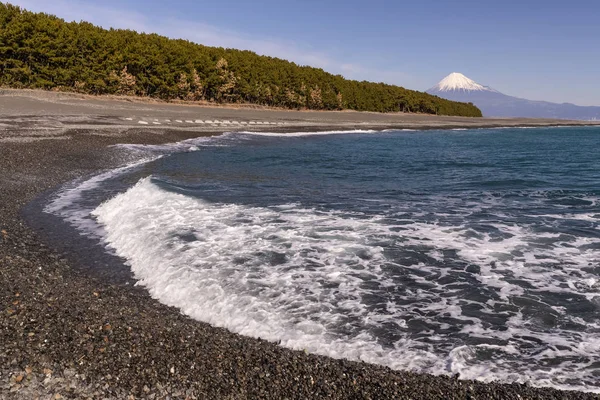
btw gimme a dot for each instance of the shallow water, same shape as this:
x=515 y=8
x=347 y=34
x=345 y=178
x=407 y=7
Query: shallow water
x=473 y=252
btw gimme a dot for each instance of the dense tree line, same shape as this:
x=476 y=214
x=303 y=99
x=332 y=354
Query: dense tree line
x=42 y=51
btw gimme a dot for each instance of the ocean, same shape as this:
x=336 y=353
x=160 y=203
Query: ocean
x=469 y=252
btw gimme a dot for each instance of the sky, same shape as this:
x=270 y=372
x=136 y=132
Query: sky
x=539 y=50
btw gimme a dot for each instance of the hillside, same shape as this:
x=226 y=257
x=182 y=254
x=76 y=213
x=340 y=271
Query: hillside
x=42 y=51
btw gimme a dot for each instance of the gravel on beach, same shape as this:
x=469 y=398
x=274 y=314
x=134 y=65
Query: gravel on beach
x=65 y=333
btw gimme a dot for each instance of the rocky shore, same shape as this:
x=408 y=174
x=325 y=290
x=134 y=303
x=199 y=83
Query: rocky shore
x=65 y=333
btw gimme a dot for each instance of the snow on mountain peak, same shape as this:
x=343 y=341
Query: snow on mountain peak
x=458 y=82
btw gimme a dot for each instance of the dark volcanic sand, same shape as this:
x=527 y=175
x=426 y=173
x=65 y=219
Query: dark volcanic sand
x=65 y=332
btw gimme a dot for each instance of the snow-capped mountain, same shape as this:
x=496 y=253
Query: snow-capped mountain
x=457 y=82
x=492 y=103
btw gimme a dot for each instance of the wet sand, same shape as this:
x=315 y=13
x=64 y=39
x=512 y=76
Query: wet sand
x=66 y=331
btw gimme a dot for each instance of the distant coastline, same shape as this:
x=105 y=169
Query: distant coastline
x=199 y=118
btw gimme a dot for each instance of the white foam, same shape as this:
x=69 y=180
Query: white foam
x=143 y=122
x=203 y=141
x=221 y=278
x=299 y=276
x=291 y=134
x=65 y=202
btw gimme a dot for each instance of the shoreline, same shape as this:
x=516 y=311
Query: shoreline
x=150 y=115
x=69 y=332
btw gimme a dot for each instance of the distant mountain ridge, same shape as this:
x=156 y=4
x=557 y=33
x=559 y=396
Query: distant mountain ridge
x=492 y=103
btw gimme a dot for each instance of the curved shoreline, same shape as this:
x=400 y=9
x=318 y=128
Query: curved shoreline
x=64 y=331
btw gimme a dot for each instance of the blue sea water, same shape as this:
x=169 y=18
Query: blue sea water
x=470 y=252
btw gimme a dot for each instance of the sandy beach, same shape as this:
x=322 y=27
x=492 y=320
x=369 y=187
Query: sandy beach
x=66 y=332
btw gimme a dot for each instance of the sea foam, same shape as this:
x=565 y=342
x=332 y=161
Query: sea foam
x=302 y=277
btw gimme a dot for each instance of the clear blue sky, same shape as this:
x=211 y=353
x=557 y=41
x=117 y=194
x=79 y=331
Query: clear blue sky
x=541 y=50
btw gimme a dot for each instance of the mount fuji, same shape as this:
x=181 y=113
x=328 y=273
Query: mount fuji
x=492 y=103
